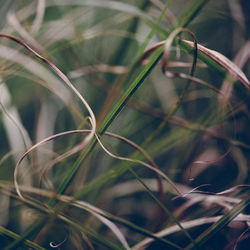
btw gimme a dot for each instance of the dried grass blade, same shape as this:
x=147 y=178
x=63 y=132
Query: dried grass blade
x=37 y=145
x=138 y=162
x=60 y=74
x=221 y=223
x=186 y=225
x=70 y=85
x=227 y=64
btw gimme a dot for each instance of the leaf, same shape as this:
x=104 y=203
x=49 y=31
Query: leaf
x=227 y=64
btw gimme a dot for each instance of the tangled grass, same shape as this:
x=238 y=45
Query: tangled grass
x=169 y=79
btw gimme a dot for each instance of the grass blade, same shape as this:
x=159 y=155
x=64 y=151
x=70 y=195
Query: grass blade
x=220 y=224
x=13 y=235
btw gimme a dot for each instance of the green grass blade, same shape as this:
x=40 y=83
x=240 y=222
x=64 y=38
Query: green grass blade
x=163 y=207
x=220 y=224
x=119 y=54
x=108 y=120
x=130 y=91
x=117 y=109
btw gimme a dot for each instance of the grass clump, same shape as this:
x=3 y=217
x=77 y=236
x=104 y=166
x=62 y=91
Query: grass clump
x=124 y=125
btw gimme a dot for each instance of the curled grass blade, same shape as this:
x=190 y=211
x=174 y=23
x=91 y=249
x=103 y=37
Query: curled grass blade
x=37 y=145
x=138 y=162
x=216 y=57
x=112 y=155
x=66 y=80
x=167 y=47
x=227 y=64
x=152 y=167
x=61 y=75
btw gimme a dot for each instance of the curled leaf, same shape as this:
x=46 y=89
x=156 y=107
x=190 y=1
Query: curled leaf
x=227 y=64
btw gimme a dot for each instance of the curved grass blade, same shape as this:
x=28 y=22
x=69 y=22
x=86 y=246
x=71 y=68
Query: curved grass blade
x=139 y=162
x=110 y=117
x=153 y=166
x=60 y=74
x=127 y=8
x=175 y=107
x=228 y=65
x=221 y=223
x=186 y=225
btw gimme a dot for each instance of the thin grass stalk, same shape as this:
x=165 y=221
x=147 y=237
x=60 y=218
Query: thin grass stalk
x=15 y=236
x=145 y=43
x=151 y=194
x=185 y=232
x=221 y=223
x=117 y=60
x=125 y=79
x=187 y=224
x=111 y=116
x=177 y=104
